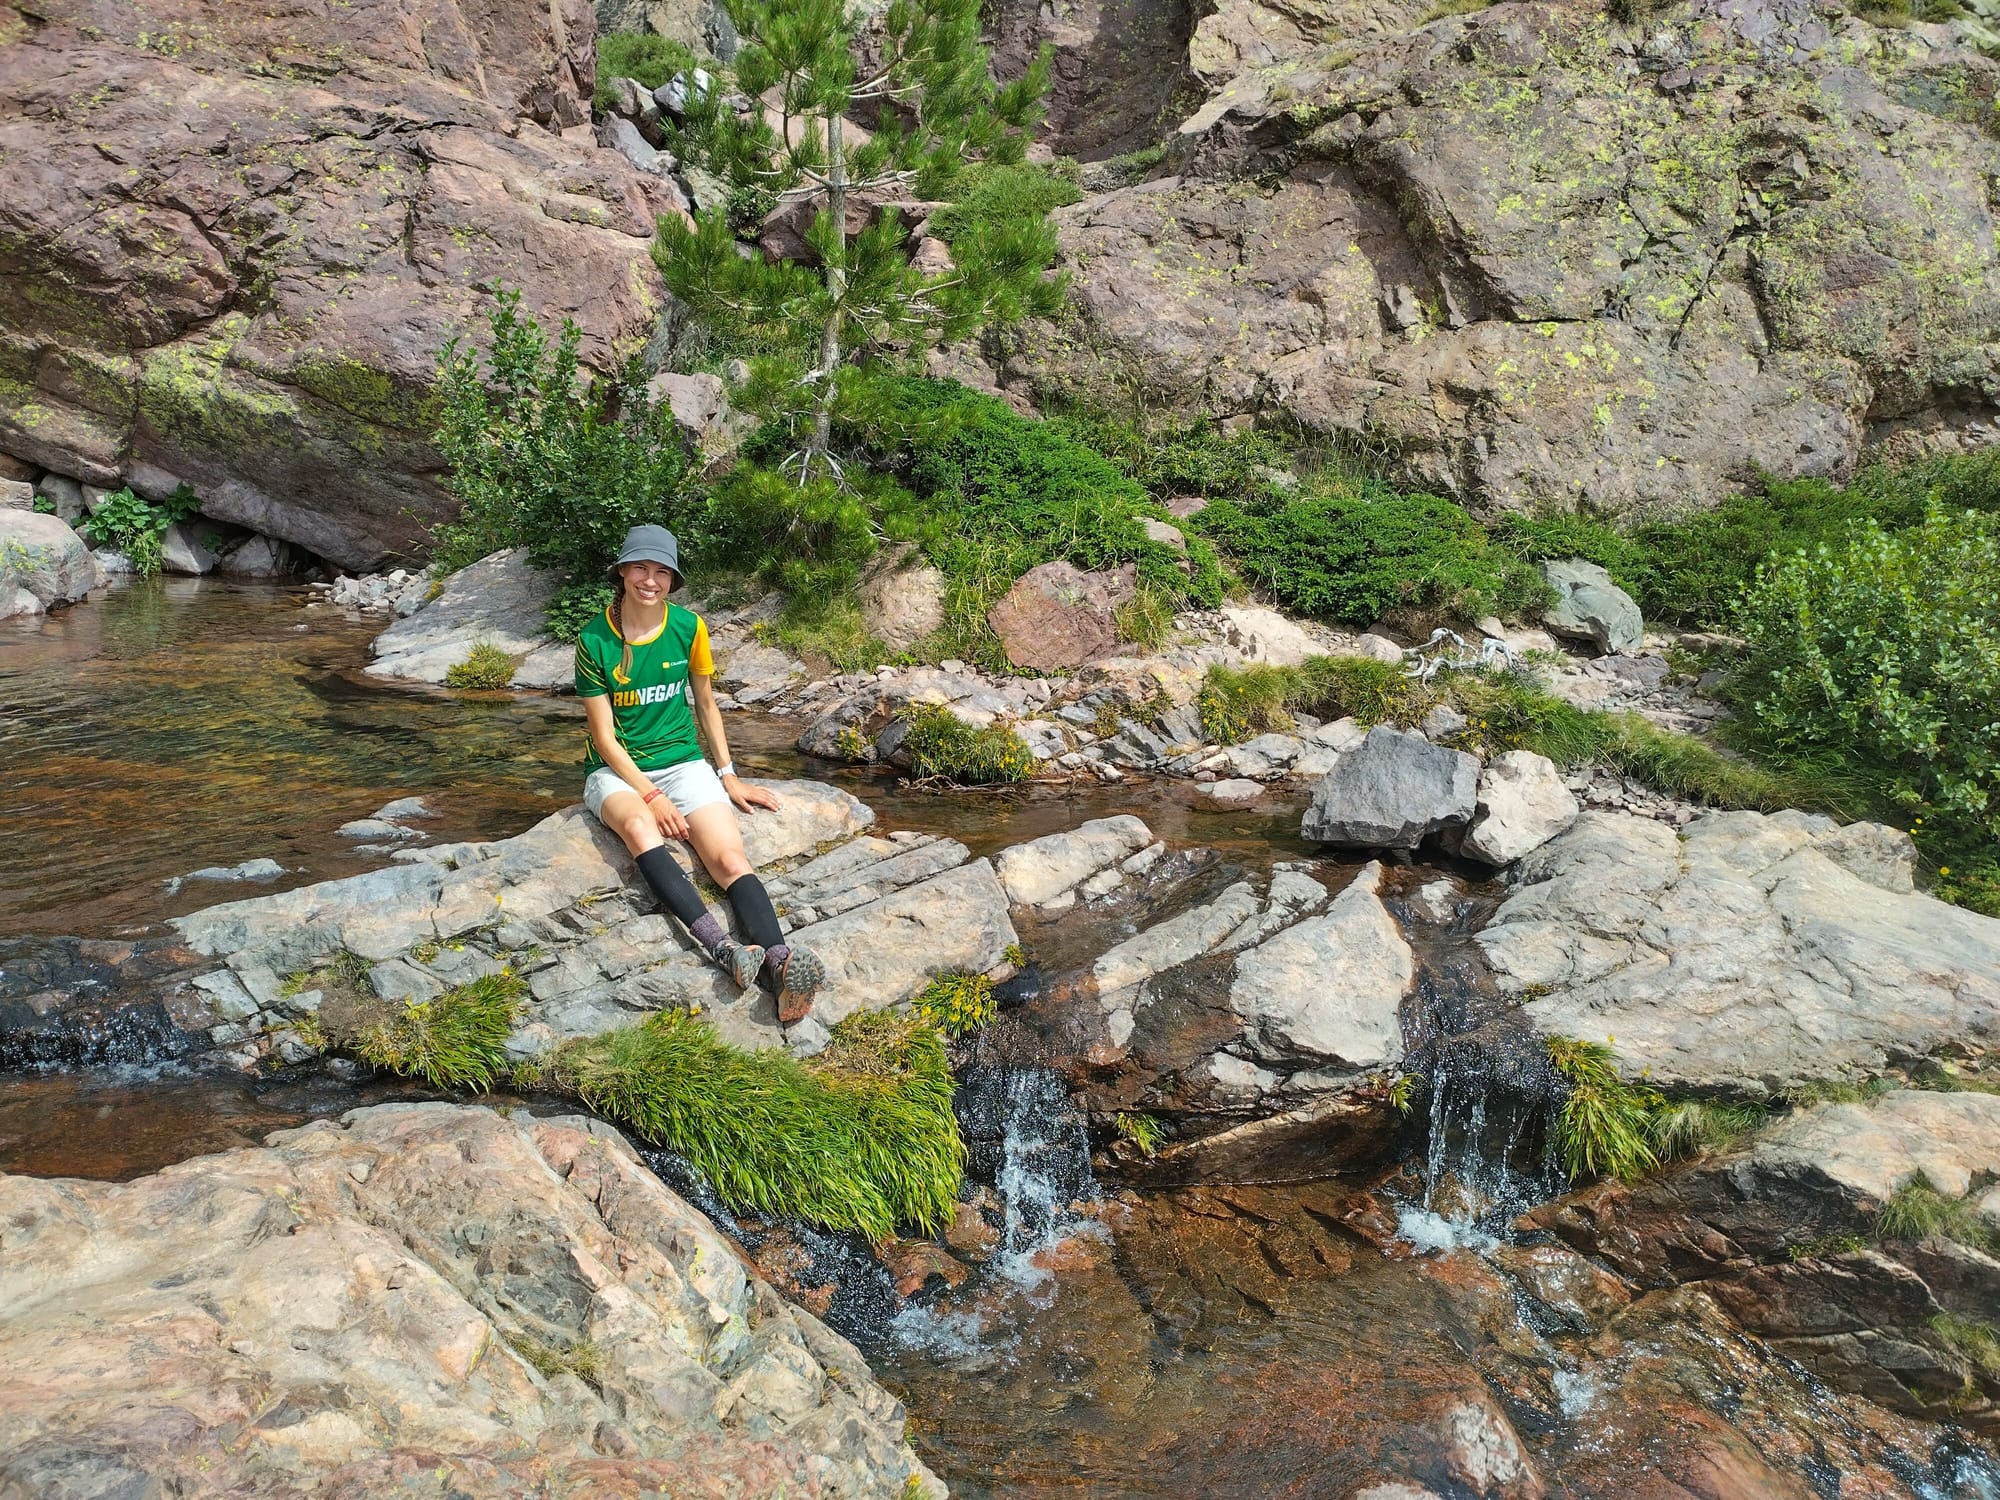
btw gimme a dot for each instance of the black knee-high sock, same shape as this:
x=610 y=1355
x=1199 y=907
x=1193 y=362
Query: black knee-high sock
x=670 y=883
x=756 y=918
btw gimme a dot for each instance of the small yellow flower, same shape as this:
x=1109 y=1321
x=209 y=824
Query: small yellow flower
x=1944 y=869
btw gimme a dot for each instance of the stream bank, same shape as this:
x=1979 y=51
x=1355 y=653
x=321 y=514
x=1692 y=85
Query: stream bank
x=1180 y=1337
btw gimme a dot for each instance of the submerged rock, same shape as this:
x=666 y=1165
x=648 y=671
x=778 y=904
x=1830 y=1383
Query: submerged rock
x=1748 y=954
x=512 y=1305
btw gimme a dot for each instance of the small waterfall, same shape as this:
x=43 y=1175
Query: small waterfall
x=1490 y=1095
x=1044 y=1168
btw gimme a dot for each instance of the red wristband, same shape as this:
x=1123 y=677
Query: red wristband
x=655 y=792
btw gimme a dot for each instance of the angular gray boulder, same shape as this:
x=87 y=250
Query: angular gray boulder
x=1522 y=805
x=1392 y=792
x=43 y=563
x=498 y=602
x=1590 y=607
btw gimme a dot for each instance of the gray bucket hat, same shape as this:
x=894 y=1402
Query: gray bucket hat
x=653 y=544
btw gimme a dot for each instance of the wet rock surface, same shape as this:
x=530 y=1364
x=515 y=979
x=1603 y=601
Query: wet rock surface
x=508 y=1304
x=1746 y=954
x=1788 y=1236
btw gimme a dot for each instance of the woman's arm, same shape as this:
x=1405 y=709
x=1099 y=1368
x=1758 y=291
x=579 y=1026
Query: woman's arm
x=604 y=735
x=708 y=719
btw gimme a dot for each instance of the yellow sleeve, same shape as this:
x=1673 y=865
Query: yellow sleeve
x=590 y=681
x=701 y=661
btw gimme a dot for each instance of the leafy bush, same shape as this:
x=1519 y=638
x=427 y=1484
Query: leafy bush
x=956 y=1004
x=942 y=745
x=456 y=1041
x=643 y=55
x=1883 y=654
x=993 y=195
x=1354 y=556
x=574 y=606
x=485 y=668
x=861 y=1137
x=543 y=459
x=137 y=526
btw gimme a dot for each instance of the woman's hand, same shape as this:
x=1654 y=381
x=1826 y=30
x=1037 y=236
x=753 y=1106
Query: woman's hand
x=746 y=796
x=672 y=824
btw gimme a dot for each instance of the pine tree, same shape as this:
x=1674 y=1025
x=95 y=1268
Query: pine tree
x=822 y=323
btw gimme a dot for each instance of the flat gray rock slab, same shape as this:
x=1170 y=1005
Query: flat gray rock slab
x=1042 y=869
x=1747 y=955
x=497 y=601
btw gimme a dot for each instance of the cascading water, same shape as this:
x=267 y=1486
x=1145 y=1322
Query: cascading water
x=1044 y=1168
x=1482 y=1160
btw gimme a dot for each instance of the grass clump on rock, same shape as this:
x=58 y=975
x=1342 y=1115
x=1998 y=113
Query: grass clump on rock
x=582 y=1359
x=943 y=746
x=956 y=1004
x=1604 y=1126
x=485 y=668
x=1919 y=1211
x=861 y=1137
x=456 y=1041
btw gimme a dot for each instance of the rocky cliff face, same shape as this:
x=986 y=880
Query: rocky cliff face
x=234 y=238
x=1537 y=256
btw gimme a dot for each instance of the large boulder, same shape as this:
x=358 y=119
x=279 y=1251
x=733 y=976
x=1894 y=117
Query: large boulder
x=497 y=601
x=43 y=564
x=515 y=1303
x=1417 y=238
x=1392 y=792
x=1056 y=616
x=1522 y=805
x=241 y=274
x=1590 y=607
x=1749 y=954
x=901 y=598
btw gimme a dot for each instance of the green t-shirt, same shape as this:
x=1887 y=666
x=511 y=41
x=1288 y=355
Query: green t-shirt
x=649 y=706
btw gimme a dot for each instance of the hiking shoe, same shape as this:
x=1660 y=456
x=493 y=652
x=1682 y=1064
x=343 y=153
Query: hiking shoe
x=742 y=960
x=799 y=980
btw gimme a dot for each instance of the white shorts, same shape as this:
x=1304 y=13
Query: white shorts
x=690 y=786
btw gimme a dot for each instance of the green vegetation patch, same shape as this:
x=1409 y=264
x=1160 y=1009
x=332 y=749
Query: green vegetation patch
x=861 y=1137
x=1919 y=1211
x=485 y=668
x=1144 y=1131
x=1604 y=1126
x=944 y=746
x=456 y=1041
x=958 y=1005
x=583 y=1359
x=137 y=526
x=643 y=55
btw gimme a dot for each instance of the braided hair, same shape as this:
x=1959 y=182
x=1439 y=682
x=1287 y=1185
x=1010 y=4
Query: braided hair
x=624 y=672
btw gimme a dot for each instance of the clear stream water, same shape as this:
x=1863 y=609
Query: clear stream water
x=1221 y=1341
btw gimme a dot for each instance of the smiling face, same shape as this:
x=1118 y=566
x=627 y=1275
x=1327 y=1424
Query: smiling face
x=647 y=583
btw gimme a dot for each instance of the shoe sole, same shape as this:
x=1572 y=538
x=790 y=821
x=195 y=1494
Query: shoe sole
x=803 y=975
x=745 y=960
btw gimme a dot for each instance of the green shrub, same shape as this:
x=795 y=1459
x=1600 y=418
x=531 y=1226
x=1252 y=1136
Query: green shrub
x=486 y=668
x=824 y=619
x=649 y=58
x=1558 y=536
x=1169 y=457
x=1143 y=1131
x=1882 y=655
x=942 y=745
x=43 y=506
x=541 y=459
x=455 y=1041
x=137 y=526
x=574 y=606
x=991 y=195
x=1604 y=1126
x=956 y=1004
x=1352 y=557
x=861 y=1137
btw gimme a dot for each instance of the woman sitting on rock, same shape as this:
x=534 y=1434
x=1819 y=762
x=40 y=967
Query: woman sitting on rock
x=645 y=675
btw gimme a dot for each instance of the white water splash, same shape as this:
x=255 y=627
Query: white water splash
x=1576 y=1392
x=1430 y=1231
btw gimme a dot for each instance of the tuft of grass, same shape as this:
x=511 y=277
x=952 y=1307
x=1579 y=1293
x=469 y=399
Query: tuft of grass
x=456 y=1041
x=1835 y=1091
x=582 y=1359
x=956 y=1004
x=861 y=1137
x=1825 y=1246
x=1978 y=1342
x=1147 y=618
x=1694 y=1126
x=1604 y=1127
x=1919 y=1211
x=1452 y=8
x=940 y=744
x=825 y=622
x=485 y=668
x=1144 y=1131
